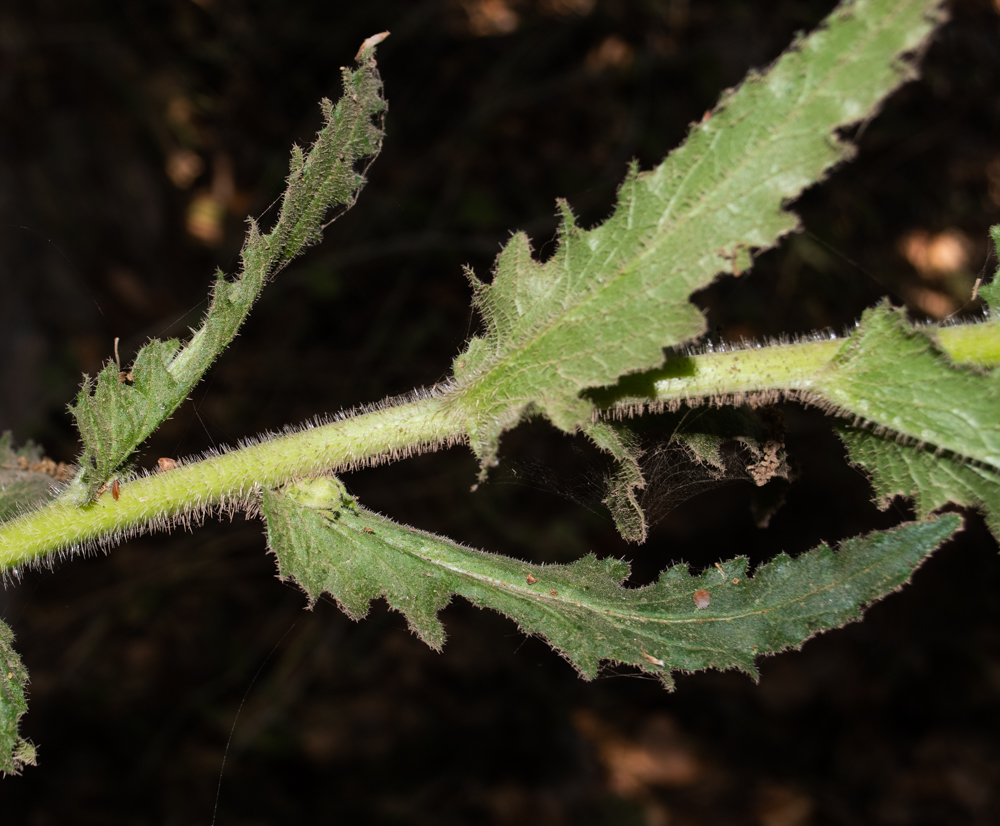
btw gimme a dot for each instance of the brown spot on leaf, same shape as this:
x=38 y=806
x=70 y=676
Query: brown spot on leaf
x=650 y=658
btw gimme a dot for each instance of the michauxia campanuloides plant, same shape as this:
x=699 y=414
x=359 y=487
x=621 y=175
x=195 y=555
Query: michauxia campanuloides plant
x=601 y=331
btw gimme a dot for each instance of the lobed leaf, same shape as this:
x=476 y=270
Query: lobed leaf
x=15 y=751
x=611 y=298
x=930 y=479
x=115 y=417
x=990 y=293
x=327 y=543
x=117 y=411
x=626 y=481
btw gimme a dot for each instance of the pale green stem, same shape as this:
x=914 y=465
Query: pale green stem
x=784 y=368
x=977 y=344
x=236 y=476
x=398 y=431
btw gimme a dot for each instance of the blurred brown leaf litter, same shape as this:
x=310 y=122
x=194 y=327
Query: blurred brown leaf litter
x=136 y=139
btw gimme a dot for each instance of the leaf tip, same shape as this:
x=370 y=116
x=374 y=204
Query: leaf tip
x=368 y=46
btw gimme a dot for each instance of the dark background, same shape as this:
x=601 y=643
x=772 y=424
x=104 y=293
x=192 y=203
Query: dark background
x=135 y=137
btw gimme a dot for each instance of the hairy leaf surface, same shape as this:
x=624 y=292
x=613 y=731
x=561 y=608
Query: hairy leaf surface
x=15 y=752
x=327 y=543
x=119 y=409
x=626 y=480
x=990 y=293
x=611 y=298
x=894 y=376
x=930 y=479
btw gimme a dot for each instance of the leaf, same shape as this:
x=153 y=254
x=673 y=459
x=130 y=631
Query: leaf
x=114 y=418
x=327 y=543
x=921 y=474
x=990 y=293
x=625 y=481
x=611 y=298
x=15 y=751
x=119 y=410
x=26 y=478
x=896 y=378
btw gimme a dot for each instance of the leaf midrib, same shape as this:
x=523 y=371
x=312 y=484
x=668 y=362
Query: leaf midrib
x=540 y=596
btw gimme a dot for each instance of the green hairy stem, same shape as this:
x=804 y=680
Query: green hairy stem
x=414 y=426
x=235 y=477
x=786 y=368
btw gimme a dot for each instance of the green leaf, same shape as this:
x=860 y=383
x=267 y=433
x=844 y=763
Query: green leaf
x=625 y=481
x=114 y=418
x=327 y=543
x=119 y=410
x=930 y=479
x=896 y=378
x=611 y=298
x=15 y=751
x=26 y=478
x=990 y=293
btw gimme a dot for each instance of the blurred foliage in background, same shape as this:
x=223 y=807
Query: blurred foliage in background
x=136 y=137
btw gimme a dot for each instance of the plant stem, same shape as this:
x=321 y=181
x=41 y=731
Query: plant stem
x=189 y=491
x=782 y=368
x=977 y=344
